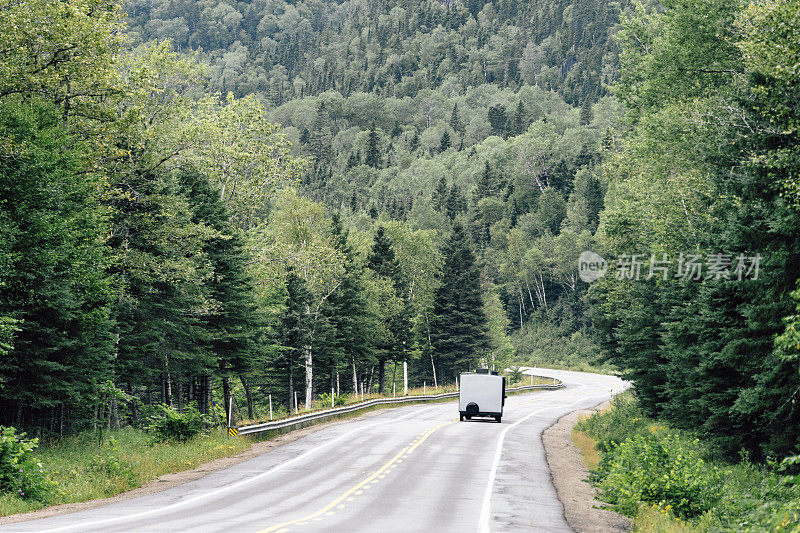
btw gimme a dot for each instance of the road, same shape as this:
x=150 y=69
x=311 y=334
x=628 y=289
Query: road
x=407 y=469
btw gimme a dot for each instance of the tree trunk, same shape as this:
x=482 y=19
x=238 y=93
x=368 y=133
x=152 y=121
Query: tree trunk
x=290 y=386
x=309 y=374
x=204 y=395
x=113 y=419
x=134 y=408
x=355 y=377
x=381 y=373
x=249 y=395
x=226 y=391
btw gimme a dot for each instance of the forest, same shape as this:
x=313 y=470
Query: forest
x=206 y=200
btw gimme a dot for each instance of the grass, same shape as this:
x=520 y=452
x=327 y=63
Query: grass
x=653 y=519
x=587 y=447
x=84 y=471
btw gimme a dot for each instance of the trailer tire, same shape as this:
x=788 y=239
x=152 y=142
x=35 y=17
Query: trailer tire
x=498 y=419
x=460 y=418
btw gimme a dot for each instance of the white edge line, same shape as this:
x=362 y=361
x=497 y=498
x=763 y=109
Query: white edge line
x=232 y=485
x=486 y=506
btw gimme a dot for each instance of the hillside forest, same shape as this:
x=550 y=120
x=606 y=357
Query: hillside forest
x=206 y=200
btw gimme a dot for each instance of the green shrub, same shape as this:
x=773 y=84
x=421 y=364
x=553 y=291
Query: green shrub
x=325 y=400
x=625 y=419
x=173 y=425
x=19 y=474
x=667 y=471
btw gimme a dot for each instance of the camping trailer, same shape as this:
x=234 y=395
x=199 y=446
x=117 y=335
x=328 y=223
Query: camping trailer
x=481 y=393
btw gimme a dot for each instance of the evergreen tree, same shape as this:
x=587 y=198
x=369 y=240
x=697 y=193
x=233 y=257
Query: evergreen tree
x=382 y=260
x=517 y=124
x=440 y=195
x=497 y=119
x=346 y=312
x=234 y=328
x=294 y=335
x=455 y=121
x=413 y=144
x=586 y=113
x=459 y=326
x=55 y=289
x=383 y=263
x=373 y=155
x=444 y=143
x=455 y=204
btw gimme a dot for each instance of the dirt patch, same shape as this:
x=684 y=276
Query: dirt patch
x=167 y=481
x=569 y=472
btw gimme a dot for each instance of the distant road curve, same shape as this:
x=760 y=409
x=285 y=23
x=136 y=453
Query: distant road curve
x=407 y=469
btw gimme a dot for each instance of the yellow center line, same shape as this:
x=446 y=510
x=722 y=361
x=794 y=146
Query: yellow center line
x=361 y=485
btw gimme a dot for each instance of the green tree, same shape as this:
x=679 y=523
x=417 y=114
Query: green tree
x=458 y=325
x=54 y=280
x=444 y=143
x=373 y=156
x=294 y=336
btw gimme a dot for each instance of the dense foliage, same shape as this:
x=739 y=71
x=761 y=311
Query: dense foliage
x=283 y=50
x=645 y=463
x=705 y=171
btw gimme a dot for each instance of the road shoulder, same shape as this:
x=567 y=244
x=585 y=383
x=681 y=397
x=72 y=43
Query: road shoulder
x=569 y=473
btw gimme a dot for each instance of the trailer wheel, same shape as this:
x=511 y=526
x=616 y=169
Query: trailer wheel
x=460 y=418
x=498 y=418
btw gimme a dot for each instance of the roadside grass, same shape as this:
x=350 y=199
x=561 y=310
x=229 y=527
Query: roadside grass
x=587 y=447
x=652 y=519
x=82 y=470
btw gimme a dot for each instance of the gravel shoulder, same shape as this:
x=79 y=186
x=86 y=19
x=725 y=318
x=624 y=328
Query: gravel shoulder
x=167 y=481
x=581 y=508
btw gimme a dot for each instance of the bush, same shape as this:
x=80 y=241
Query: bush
x=325 y=400
x=667 y=471
x=173 y=425
x=625 y=419
x=19 y=474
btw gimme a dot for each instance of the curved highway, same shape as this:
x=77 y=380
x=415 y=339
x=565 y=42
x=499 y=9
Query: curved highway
x=407 y=469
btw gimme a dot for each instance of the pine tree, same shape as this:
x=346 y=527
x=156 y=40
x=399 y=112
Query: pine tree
x=413 y=144
x=519 y=121
x=234 y=327
x=497 y=119
x=459 y=325
x=586 y=113
x=294 y=336
x=373 y=156
x=382 y=262
x=54 y=281
x=440 y=195
x=346 y=312
x=456 y=204
x=444 y=143
x=455 y=121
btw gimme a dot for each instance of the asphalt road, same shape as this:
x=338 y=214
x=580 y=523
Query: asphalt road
x=407 y=469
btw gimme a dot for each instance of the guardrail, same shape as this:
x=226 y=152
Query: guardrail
x=325 y=413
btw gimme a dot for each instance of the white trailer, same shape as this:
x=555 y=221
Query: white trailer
x=481 y=393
